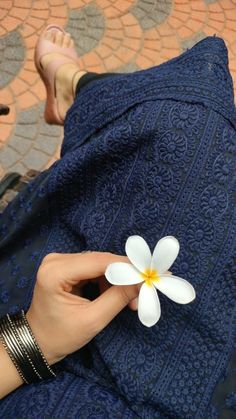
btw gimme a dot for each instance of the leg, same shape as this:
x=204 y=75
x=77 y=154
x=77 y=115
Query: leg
x=88 y=77
x=56 y=62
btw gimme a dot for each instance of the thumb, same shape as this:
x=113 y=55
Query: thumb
x=111 y=302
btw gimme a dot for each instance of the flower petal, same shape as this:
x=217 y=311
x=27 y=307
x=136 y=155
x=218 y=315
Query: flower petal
x=149 y=309
x=165 y=253
x=138 y=252
x=121 y=273
x=175 y=288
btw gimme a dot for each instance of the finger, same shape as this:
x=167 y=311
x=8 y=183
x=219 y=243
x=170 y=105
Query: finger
x=103 y=284
x=81 y=266
x=109 y=304
x=133 y=304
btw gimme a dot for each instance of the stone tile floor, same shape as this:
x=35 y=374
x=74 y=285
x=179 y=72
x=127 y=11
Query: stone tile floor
x=123 y=35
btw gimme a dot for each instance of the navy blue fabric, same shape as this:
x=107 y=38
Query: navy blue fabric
x=150 y=153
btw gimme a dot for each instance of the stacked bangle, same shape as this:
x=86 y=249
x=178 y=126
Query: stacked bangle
x=23 y=349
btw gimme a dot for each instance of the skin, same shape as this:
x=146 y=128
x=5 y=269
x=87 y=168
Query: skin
x=61 y=319
x=67 y=75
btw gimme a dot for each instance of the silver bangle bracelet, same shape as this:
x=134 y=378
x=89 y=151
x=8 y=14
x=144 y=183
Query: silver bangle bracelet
x=23 y=349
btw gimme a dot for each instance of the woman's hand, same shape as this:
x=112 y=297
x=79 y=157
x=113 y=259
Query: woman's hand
x=63 y=322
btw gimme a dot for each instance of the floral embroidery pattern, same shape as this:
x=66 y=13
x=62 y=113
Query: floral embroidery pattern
x=200 y=234
x=214 y=201
x=222 y=169
x=159 y=180
x=184 y=115
x=172 y=147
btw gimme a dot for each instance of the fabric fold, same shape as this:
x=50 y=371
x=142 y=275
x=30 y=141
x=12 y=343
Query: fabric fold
x=199 y=75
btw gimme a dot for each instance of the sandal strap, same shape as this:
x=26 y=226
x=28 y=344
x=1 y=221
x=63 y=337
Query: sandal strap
x=45 y=47
x=53 y=67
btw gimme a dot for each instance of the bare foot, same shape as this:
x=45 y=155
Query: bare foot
x=67 y=75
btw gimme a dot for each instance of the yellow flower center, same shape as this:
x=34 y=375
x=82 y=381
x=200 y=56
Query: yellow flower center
x=150 y=275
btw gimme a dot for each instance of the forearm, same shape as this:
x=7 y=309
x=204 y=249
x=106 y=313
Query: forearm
x=9 y=376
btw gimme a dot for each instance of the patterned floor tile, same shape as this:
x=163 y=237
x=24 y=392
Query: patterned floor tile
x=11 y=57
x=87 y=27
x=151 y=13
x=110 y=35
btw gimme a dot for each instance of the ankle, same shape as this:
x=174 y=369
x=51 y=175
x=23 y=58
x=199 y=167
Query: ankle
x=75 y=80
x=66 y=77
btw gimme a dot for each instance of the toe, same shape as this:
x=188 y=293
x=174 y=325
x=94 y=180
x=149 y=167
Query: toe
x=51 y=35
x=66 y=40
x=72 y=43
x=48 y=35
x=59 y=38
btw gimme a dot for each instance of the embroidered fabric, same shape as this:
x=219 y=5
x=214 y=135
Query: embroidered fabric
x=150 y=153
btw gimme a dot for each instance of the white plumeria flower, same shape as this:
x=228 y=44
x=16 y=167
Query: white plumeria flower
x=151 y=270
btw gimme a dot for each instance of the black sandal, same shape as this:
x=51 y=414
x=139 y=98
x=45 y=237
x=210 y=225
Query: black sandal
x=4 y=110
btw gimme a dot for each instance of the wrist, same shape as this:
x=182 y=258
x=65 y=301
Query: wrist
x=10 y=378
x=41 y=339
x=22 y=347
